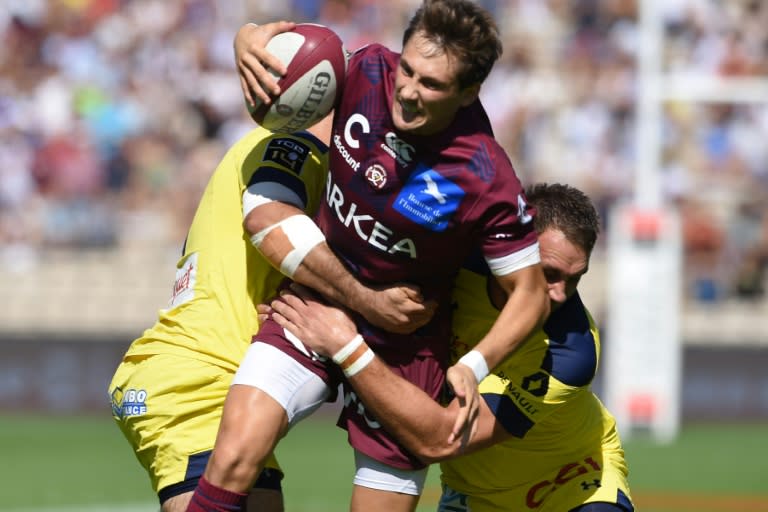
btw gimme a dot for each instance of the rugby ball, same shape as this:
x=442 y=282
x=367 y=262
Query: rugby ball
x=316 y=64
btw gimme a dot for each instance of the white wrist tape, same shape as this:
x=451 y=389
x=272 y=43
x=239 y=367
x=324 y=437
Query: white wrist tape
x=360 y=363
x=354 y=356
x=476 y=363
x=302 y=233
x=346 y=351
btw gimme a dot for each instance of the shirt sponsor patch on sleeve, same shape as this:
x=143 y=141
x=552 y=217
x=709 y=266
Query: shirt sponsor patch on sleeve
x=287 y=152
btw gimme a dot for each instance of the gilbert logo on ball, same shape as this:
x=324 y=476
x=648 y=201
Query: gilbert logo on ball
x=316 y=61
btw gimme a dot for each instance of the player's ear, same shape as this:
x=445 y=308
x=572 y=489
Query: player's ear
x=469 y=94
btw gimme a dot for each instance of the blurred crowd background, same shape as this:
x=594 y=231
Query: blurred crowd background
x=113 y=113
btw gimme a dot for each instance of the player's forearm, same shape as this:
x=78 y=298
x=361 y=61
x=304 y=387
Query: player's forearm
x=315 y=266
x=525 y=310
x=406 y=411
x=322 y=271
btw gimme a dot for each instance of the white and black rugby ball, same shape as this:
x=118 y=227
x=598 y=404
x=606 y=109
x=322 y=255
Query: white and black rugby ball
x=316 y=64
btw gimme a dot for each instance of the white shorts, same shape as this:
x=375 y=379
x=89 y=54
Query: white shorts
x=373 y=474
x=294 y=387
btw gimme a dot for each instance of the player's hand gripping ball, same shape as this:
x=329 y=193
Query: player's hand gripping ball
x=316 y=64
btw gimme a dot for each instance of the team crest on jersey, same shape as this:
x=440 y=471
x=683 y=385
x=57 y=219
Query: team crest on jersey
x=287 y=152
x=429 y=199
x=131 y=402
x=376 y=176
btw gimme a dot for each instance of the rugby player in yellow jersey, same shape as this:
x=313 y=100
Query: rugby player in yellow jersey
x=168 y=392
x=550 y=444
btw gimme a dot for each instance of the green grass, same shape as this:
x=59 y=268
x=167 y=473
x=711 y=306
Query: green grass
x=52 y=460
x=706 y=459
x=60 y=461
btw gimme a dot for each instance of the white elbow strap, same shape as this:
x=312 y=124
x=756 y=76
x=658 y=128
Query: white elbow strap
x=302 y=233
x=476 y=363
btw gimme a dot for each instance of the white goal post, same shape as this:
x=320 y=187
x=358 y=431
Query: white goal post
x=643 y=343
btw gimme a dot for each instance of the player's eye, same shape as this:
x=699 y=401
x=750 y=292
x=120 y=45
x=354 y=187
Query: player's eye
x=552 y=275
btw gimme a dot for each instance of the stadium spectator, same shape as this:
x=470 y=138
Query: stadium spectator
x=163 y=71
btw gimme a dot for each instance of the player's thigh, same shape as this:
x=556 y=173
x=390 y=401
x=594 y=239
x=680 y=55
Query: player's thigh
x=269 y=392
x=365 y=499
x=169 y=408
x=379 y=487
x=291 y=385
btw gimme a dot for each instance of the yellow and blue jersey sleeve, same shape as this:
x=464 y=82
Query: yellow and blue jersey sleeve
x=221 y=276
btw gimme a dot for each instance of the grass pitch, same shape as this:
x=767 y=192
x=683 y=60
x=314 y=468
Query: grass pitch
x=67 y=464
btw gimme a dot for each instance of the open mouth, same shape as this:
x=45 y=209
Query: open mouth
x=409 y=111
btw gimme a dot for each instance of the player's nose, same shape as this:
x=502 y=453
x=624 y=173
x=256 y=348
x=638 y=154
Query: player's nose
x=408 y=91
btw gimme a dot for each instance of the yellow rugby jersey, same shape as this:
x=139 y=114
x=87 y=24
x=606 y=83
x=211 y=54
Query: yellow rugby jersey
x=563 y=437
x=221 y=276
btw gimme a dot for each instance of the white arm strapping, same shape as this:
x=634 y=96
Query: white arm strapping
x=267 y=192
x=303 y=234
x=513 y=262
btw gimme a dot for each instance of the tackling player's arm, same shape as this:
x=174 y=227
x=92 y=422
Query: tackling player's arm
x=417 y=421
x=525 y=308
x=292 y=243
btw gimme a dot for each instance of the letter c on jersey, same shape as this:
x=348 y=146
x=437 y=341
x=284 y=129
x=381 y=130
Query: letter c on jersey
x=355 y=119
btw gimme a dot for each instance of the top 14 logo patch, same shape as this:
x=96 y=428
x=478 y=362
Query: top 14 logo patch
x=429 y=199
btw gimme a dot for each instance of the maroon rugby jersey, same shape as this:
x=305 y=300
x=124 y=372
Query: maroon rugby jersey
x=400 y=207
x=405 y=208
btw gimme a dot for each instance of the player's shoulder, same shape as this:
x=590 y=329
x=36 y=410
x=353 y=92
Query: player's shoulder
x=573 y=351
x=292 y=149
x=266 y=156
x=471 y=133
x=260 y=138
x=372 y=50
x=370 y=57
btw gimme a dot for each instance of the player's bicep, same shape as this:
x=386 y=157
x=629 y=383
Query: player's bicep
x=269 y=184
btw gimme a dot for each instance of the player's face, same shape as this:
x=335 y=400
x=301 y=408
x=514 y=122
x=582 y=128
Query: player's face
x=427 y=93
x=563 y=262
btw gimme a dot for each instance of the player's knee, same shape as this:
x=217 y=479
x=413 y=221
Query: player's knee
x=233 y=469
